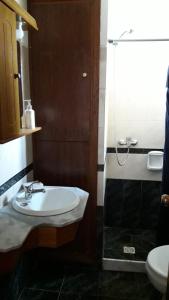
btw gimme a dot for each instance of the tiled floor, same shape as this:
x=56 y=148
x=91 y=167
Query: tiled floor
x=115 y=238
x=34 y=281
x=105 y=286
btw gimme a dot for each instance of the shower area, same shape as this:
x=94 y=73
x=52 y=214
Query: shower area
x=137 y=63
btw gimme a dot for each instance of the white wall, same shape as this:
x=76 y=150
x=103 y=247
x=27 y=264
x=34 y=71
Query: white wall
x=148 y=19
x=136 y=83
x=137 y=92
x=102 y=127
x=14 y=157
x=134 y=169
x=17 y=154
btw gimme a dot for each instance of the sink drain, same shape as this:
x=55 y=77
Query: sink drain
x=129 y=250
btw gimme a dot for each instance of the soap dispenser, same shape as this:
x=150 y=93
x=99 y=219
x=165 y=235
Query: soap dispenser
x=29 y=116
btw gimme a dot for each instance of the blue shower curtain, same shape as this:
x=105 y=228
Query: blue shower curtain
x=163 y=226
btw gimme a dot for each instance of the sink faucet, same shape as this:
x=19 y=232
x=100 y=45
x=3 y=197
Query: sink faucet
x=29 y=190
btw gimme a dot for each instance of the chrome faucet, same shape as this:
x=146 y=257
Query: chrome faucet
x=29 y=190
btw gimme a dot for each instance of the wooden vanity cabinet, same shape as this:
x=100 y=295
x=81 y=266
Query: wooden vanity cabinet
x=9 y=96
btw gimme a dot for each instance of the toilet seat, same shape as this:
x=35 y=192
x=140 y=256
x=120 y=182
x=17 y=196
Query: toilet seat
x=157 y=267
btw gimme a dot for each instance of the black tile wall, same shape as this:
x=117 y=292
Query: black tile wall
x=8 y=184
x=113 y=202
x=132 y=203
x=132 y=150
x=151 y=192
x=131 y=217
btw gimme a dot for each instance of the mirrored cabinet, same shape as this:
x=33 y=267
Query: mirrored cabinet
x=9 y=75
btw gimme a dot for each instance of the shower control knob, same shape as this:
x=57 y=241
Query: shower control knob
x=133 y=142
x=122 y=142
x=84 y=75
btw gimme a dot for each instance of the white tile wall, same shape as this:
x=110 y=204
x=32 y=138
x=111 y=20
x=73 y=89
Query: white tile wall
x=103 y=67
x=100 y=188
x=135 y=168
x=102 y=133
x=101 y=146
x=149 y=134
x=14 y=157
x=141 y=15
x=104 y=16
x=137 y=93
x=136 y=80
x=102 y=97
x=102 y=106
x=101 y=179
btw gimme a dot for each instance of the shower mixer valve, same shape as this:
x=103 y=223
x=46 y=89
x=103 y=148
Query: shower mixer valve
x=128 y=142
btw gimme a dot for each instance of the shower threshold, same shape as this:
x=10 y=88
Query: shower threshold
x=124 y=265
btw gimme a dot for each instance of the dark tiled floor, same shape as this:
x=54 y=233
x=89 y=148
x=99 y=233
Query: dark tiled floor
x=101 y=285
x=37 y=281
x=86 y=285
x=33 y=294
x=4 y=280
x=115 y=238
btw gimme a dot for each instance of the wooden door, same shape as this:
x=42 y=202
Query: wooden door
x=9 y=98
x=64 y=57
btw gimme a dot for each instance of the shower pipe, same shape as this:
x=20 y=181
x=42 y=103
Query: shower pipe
x=122 y=163
x=128 y=142
x=137 y=40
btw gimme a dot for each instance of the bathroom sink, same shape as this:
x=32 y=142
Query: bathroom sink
x=55 y=200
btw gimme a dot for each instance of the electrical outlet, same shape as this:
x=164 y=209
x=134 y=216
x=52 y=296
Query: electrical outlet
x=129 y=250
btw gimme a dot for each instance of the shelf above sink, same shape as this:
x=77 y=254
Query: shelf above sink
x=23 y=132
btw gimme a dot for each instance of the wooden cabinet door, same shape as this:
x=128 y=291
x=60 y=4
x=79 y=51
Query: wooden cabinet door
x=9 y=99
x=64 y=57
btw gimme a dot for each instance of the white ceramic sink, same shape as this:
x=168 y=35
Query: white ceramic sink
x=55 y=200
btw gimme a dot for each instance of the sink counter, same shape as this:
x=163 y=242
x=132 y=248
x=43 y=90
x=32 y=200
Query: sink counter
x=15 y=226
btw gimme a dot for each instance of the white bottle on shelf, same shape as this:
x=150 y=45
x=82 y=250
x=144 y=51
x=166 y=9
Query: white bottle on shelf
x=29 y=116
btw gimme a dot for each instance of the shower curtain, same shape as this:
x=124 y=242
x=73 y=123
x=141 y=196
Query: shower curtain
x=165 y=176
x=163 y=226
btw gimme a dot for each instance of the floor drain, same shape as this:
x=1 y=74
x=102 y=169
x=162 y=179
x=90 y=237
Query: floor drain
x=129 y=250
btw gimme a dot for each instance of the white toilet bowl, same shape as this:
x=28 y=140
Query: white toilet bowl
x=157 y=267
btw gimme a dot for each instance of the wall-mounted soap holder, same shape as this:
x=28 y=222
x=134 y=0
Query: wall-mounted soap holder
x=155 y=160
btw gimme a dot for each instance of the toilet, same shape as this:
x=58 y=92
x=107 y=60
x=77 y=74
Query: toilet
x=157 y=267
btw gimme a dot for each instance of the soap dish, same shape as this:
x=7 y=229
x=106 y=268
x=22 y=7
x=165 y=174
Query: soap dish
x=155 y=160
